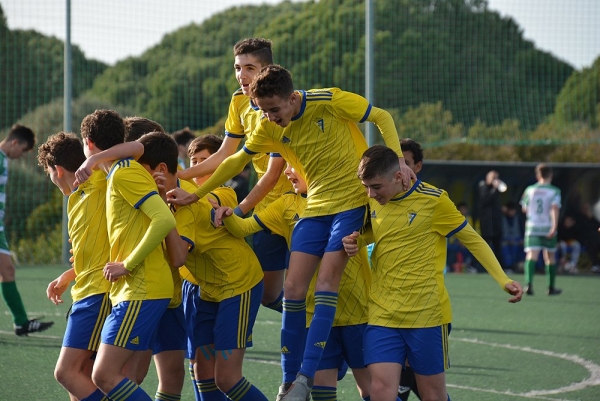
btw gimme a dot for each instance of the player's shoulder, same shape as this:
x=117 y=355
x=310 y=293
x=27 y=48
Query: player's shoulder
x=320 y=95
x=224 y=196
x=425 y=188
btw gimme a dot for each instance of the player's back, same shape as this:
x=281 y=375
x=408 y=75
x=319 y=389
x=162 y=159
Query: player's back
x=88 y=232
x=129 y=186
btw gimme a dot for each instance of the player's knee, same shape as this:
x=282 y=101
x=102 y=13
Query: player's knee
x=225 y=381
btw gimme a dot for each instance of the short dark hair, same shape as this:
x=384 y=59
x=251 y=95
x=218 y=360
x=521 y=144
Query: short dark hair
x=258 y=48
x=544 y=170
x=159 y=147
x=22 y=134
x=410 y=145
x=378 y=160
x=105 y=128
x=210 y=142
x=183 y=136
x=135 y=127
x=272 y=80
x=63 y=149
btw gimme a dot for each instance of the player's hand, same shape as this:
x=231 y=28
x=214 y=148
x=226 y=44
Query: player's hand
x=84 y=172
x=161 y=182
x=515 y=290
x=178 y=196
x=351 y=243
x=56 y=288
x=408 y=176
x=114 y=270
x=220 y=213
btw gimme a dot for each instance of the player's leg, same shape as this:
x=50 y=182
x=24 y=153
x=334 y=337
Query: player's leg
x=428 y=357
x=233 y=334
x=549 y=252
x=80 y=342
x=532 y=252
x=12 y=297
x=127 y=330
x=273 y=255
x=384 y=353
x=169 y=354
x=326 y=376
x=352 y=337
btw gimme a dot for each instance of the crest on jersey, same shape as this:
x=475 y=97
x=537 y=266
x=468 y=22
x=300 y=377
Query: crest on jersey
x=285 y=139
x=319 y=122
x=411 y=217
x=296 y=217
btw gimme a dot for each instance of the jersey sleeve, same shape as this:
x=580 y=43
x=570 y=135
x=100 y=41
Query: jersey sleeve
x=186 y=226
x=233 y=124
x=233 y=165
x=447 y=219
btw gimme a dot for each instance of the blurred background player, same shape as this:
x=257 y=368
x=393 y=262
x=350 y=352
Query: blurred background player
x=183 y=137
x=490 y=213
x=541 y=205
x=19 y=140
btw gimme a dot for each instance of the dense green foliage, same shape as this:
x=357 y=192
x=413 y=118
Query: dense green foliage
x=579 y=100
x=31 y=71
x=452 y=51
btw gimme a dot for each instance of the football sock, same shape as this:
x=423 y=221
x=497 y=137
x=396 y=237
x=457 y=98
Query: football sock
x=293 y=335
x=14 y=302
x=208 y=391
x=245 y=391
x=323 y=393
x=128 y=391
x=529 y=269
x=277 y=305
x=162 y=396
x=95 y=396
x=318 y=332
x=551 y=274
x=194 y=382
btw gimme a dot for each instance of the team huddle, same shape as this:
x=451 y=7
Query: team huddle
x=162 y=269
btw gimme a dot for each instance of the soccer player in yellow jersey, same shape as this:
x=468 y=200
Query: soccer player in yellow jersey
x=251 y=55
x=231 y=283
x=142 y=286
x=316 y=132
x=345 y=339
x=408 y=303
x=61 y=155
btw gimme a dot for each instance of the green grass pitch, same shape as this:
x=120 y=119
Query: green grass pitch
x=544 y=348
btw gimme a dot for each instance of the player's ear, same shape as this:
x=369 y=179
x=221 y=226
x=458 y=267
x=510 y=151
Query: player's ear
x=59 y=171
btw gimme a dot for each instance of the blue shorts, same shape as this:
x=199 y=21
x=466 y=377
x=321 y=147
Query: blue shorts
x=271 y=250
x=317 y=235
x=132 y=324
x=85 y=322
x=228 y=324
x=426 y=349
x=344 y=343
x=190 y=299
x=170 y=333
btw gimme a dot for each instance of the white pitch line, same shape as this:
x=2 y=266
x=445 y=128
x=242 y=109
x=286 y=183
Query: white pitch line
x=592 y=380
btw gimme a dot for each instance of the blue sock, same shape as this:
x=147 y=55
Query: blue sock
x=162 y=396
x=318 y=332
x=128 y=391
x=277 y=305
x=293 y=335
x=323 y=393
x=208 y=391
x=95 y=396
x=245 y=391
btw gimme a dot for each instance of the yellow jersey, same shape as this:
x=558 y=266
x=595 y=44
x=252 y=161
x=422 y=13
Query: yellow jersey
x=323 y=143
x=223 y=265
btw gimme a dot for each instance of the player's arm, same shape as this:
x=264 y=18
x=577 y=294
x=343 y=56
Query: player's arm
x=264 y=185
x=161 y=223
x=385 y=123
x=59 y=285
x=554 y=211
x=232 y=166
x=177 y=248
x=121 y=151
x=484 y=254
x=208 y=166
